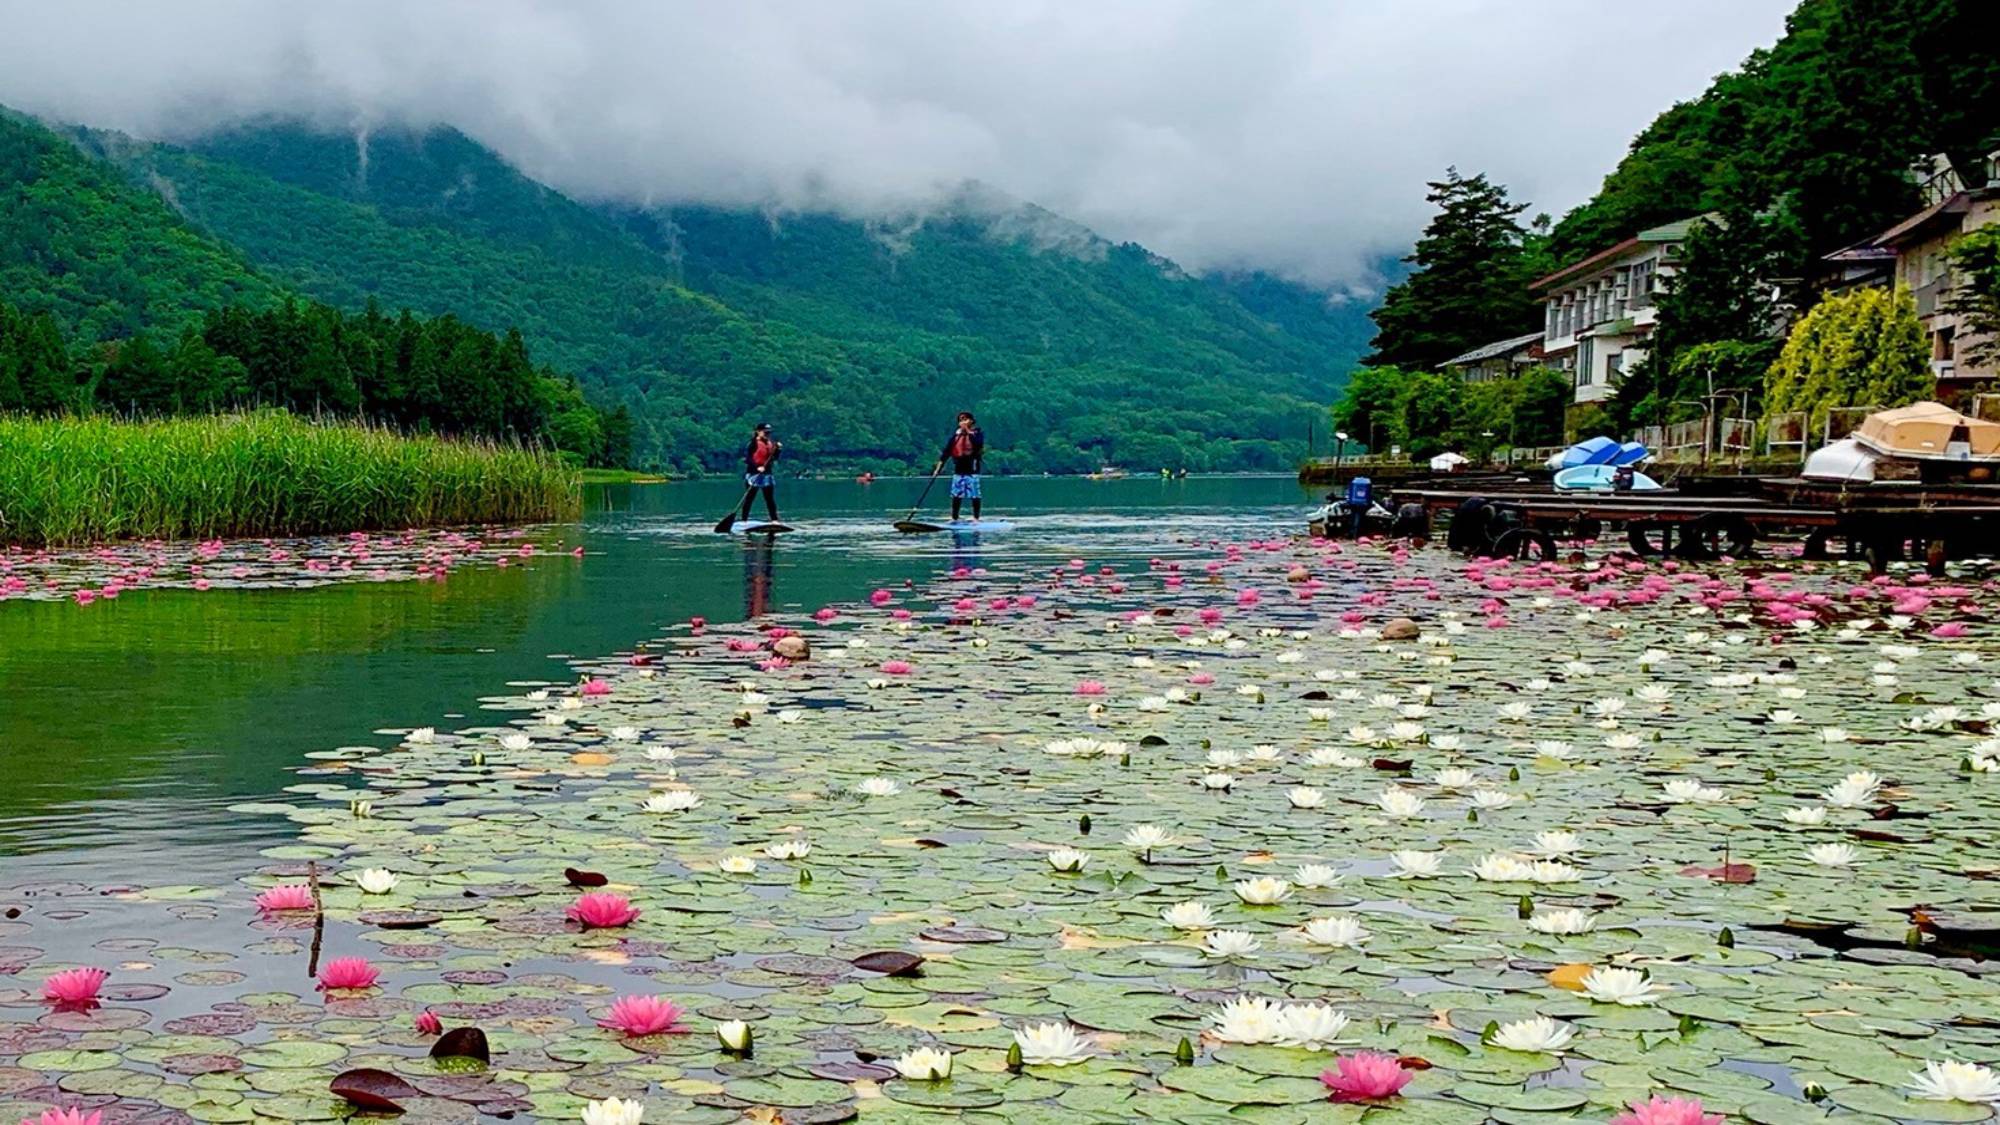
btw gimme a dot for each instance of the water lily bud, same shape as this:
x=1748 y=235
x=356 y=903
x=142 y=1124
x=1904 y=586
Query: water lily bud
x=734 y=1035
x=1184 y=1054
x=1770 y=774
x=1472 y=816
x=1813 y=1092
x=1221 y=873
x=479 y=757
x=1965 y=766
x=1726 y=939
x=1526 y=908
x=805 y=877
x=1014 y=1058
x=1083 y=825
x=1913 y=938
x=1688 y=1025
x=1513 y=773
x=1487 y=1033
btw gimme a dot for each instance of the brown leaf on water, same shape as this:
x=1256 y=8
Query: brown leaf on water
x=1723 y=873
x=580 y=878
x=372 y=1089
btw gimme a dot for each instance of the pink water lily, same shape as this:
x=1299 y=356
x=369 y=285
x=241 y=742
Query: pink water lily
x=1366 y=1076
x=897 y=667
x=74 y=986
x=881 y=597
x=1668 y=1111
x=347 y=973
x=596 y=687
x=1089 y=687
x=287 y=896
x=602 y=910
x=428 y=1023
x=644 y=1015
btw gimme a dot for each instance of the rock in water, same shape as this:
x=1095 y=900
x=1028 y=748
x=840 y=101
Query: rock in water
x=792 y=648
x=1298 y=574
x=1400 y=629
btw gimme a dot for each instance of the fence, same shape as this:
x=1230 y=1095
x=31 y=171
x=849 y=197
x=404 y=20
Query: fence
x=1789 y=431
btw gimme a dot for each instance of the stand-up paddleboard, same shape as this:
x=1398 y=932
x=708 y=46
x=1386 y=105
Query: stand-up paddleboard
x=957 y=527
x=765 y=527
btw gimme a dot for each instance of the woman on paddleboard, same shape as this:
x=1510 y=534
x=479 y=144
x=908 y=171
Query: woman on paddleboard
x=758 y=457
x=965 y=449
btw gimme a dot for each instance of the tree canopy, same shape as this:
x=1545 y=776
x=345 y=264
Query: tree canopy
x=1863 y=348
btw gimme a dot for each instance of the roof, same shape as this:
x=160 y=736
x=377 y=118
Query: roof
x=1489 y=351
x=1946 y=212
x=1667 y=232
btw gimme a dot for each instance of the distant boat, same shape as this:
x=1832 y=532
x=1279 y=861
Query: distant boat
x=1108 y=472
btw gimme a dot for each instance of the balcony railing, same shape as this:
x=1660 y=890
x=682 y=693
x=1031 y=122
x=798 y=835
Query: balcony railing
x=1931 y=298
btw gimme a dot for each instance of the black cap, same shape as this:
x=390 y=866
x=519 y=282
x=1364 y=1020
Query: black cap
x=763 y=425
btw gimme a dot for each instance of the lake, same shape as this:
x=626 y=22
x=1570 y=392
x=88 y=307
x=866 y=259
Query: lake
x=129 y=727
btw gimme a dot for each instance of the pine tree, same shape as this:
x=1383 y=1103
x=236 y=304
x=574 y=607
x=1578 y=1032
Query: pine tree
x=1470 y=287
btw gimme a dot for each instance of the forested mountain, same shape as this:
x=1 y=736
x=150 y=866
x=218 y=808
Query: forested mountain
x=109 y=301
x=857 y=339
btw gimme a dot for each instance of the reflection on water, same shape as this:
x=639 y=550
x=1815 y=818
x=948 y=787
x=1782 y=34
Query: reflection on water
x=128 y=727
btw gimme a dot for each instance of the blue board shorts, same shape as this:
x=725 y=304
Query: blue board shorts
x=757 y=480
x=965 y=486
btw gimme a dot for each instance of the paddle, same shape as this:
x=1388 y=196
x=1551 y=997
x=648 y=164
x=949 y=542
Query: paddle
x=908 y=524
x=723 y=525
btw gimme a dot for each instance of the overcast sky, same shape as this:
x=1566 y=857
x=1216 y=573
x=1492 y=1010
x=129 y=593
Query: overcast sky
x=1288 y=136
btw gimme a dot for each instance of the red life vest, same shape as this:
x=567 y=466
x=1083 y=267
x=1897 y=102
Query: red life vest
x=961 y=444
x=760 y=455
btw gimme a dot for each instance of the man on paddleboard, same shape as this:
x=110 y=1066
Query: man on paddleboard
x=966 y=449
x=758 y=457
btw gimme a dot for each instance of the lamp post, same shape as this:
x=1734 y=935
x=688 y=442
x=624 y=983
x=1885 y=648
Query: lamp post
x=1488 y=452
x=1339 y=449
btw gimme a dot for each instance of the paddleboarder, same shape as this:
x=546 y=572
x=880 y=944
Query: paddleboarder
x=758 y=458
x=966 y=450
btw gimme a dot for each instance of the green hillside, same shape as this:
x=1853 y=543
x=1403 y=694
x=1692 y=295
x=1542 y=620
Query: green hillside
x=77 y=243
x=858 y=339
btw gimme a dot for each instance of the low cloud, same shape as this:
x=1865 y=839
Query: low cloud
x=1293 y=137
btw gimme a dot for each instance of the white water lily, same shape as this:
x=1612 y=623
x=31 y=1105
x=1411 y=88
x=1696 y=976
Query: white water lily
x=1328 y=756
x=1399 y=803
x=1068 y=859
x=1217 y=781
x=1319 y=714
x=1247 y=1019
x=1417 y=865
x=1448 y=743
x=614 y=1111
x=878 y=787
x=1607 y=708
x=1224 y=759
x=1500 y=867
x=1314 y=875
x=1538 y=1034
x=1265 y=752
x=1568 y=920
x=1406 y=732
x=1833 y=855
x=928 y=1064
x=1363 y=735
x=1153 y=704
x=1083 y=748
x=1385 y=701
x=1311 y=1027
x=737 y=865
x=1251 y=691
x=660 y=754
x=754 y=700
x=1188 y=916
x=1688 y=791
x=1953 y=1081
x=1051 y=1044
x=1653 y=693
x=1806 y=815
x=673 y=801
x=1455 y=778
x=375 y=881
x=1539 y=683
x=552 y=719
x=624 y=734
x=733 y=1035
x=1554 y=844
x=1626 y=987
x=1854 y=790
x=789 y=715
x=1146 y=837
x=793 y=847
x=1176 y=695
x=1230 y=943
x=516 y=740
x=1263 y=890
x=1784 y=718
x=877 y=683
x=1514 y=712
x=1339 y=931
x=1305 y=797
x=422 y=736
x=1549 y=871
x=1623 y=740
x=570 y=703
x=1490 y=799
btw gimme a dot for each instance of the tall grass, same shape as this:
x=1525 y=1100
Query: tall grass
x=93 y=479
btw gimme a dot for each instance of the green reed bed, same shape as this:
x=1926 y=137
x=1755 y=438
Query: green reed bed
x=92 y=479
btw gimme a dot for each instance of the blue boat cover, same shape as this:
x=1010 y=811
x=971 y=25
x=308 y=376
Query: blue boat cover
x=1596 y=451
x=1631 y=453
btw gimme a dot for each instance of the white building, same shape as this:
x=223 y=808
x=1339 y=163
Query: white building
x=1601 y=309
